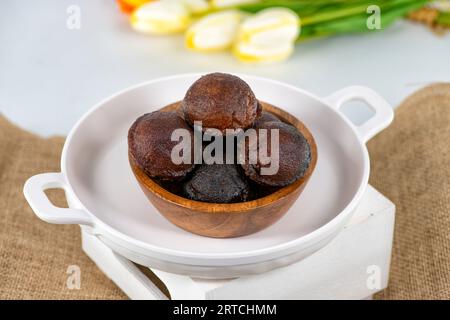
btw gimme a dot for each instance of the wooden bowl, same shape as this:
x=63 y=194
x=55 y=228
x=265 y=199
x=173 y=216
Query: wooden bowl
x=227 y=220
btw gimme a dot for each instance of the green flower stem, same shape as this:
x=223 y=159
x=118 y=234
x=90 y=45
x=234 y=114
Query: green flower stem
x=353 y=9
x=320 y=18
x=358 y=23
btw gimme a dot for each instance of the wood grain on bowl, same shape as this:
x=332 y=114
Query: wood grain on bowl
x=234 y=219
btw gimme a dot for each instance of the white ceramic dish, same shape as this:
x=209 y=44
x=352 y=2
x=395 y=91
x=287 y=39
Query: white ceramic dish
x=105 y=199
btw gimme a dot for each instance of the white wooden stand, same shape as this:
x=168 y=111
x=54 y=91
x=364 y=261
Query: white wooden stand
x=355 y=265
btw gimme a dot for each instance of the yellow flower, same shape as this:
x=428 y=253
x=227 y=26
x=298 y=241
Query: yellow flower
x=267 y=36
x=214 y=32
x=161 y=17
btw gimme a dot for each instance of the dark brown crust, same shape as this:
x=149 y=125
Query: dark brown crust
x=294 y=157
x=149 y=142
x=265 y=117
x=220 y=101
x=217 y=183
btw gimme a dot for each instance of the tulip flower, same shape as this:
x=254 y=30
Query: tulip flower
x=270 y=26
x=262 y=54
x=161 y=17
x=197 y=6
x=214 y=32
x=267 y=36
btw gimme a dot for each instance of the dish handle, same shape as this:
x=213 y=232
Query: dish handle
x=383 y=111
x=34 y=193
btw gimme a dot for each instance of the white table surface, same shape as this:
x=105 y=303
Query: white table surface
x=50 y=75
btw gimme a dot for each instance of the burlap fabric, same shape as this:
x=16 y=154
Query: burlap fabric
x=34 y=255
x=410 y=165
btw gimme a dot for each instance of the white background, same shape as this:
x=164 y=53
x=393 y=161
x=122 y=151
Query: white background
x=50 y=75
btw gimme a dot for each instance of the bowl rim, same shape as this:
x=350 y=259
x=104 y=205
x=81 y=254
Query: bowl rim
x=141 y=247
x=239 y=207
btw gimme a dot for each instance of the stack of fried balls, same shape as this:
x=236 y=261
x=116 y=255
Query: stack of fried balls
x=220 y=101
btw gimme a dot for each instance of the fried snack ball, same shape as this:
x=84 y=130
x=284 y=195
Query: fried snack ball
x=294 y=156
x=217 y=183
x=149 y=142
x=220 y=101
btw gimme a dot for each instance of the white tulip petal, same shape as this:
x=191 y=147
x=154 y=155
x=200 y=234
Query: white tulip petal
x=282 y=34
x=197 y=6
x=161 y=17
x=216 y=31
x=262 y=54
x=270 y=26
